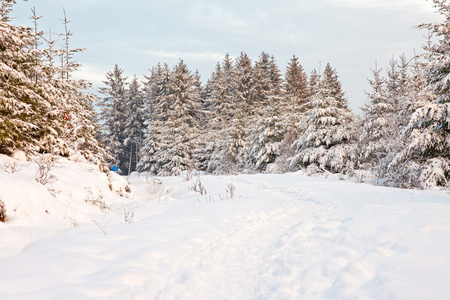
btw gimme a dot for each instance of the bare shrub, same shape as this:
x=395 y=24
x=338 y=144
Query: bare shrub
x=11 y=167
x=197 y=207
x=96 y=200
x=72 y=220
x=128 y=215
x=189 y=174
x=230 y=190
x=198 y=187
x=45 y=164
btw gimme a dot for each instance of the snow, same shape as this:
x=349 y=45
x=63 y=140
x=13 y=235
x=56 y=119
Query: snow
x=280 y=236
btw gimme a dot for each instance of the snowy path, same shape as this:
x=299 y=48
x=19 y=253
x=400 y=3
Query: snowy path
x=282 y=237
x=303 y=247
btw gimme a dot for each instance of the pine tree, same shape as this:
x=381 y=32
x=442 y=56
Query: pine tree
x=327 y=129
x=35 y=105
x=264 y=142
x=23 y=108
x=296 y=89
x=245 y=85
x=265 y=136
x=379 y=124
x=427 y=153
x=216 y=115
x=261 y=84
x=134 y=123
x=155 y=115
x=313 y=83
x=227 y=114
x=330 y=82
x=179 y=134
x=76 y=104
x=113 y=110
x=296 y=95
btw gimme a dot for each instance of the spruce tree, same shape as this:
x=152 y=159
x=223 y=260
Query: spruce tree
x=227 y=115
x=313 y=84
x=134 y=123
x=265 y=135
x=327 y=129
x=427 y=153
x=378 y=125
x=23 y=108
x=381 y=137
x=261 y=84
x=38 y=111
x=155 y=115
x=296 y=89
x=216 y=116
x=113 y=115
x=178 y=136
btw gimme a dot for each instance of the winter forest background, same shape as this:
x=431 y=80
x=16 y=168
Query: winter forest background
x=248 y=117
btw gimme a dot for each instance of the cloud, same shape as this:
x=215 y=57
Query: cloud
x=136 y=35
x=410 y=5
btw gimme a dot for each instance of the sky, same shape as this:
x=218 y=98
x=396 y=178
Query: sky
x=352 y=35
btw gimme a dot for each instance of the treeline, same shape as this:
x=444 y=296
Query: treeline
x=247 y=117
x=250 y=118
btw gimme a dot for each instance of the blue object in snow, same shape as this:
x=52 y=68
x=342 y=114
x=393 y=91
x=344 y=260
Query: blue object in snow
x=115 y=169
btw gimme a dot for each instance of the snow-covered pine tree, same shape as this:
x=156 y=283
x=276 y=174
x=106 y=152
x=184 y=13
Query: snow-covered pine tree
x=134 y=123
x=329 y=81
x=378 y=127
x=296 y=90
x=215 y=115
x=245 y=84
x=77 y=105
x=155 y=114
x=427 y=153
x=22 y=105
x=313 y=83
x=296 y=93
x=263 y=142
x=277 y=101
x=261 y=85
x=397 y=90
x=78 y=118
x=327 y=129
x=35 y=104
x=178 y=136
x=227 y=110
x=401 y=170
x=417 y=94
x=19 y=96
x=68 y=64
x=113 y=116
x=204 y=145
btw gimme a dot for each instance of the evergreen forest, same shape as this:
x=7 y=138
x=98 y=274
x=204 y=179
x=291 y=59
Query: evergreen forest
x=247 y=117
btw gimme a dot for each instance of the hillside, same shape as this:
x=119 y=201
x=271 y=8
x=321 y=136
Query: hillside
x=83 y=236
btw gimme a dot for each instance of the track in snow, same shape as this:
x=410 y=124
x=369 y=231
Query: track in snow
x=303 y=247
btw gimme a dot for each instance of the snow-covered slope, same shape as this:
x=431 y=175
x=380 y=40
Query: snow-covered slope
x=273 y=237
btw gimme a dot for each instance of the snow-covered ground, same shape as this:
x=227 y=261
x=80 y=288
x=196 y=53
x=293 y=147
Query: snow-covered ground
x=284 y=236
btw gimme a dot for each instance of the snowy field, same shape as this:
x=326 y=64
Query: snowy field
x=248 y=237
